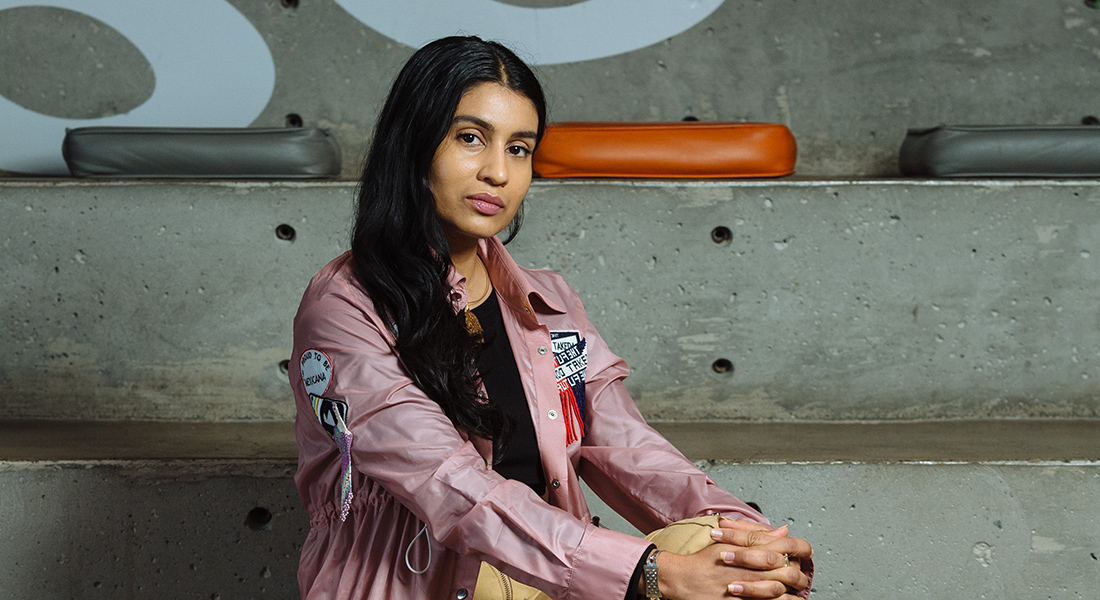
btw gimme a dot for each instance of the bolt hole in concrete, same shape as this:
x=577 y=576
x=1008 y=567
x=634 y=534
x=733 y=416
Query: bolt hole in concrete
x=259 y=519
x=690 y=118
x=294 y=120
x=1090 y=120
x=722 y=365
x=285 y=232
x=284 y=366
x=290 y=3
x=721 y=235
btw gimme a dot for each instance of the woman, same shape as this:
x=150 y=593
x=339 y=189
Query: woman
x=449 y=399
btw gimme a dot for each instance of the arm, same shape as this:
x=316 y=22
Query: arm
x=404 y=442
x=631 y=466
x=648 y=481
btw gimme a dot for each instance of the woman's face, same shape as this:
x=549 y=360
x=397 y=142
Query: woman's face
x=482 y=169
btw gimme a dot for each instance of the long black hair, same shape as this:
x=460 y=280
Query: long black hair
x=399 y=251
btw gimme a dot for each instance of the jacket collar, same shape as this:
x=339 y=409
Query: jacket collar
x=509 y=280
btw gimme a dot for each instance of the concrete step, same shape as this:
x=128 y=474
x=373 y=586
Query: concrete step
x=818 y=300
x=792 y=442
x=148 y=510
x=153 y=529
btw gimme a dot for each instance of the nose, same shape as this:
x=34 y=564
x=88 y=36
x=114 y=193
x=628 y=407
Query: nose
x=494 y=167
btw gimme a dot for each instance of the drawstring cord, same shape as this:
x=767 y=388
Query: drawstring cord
x=409 y=565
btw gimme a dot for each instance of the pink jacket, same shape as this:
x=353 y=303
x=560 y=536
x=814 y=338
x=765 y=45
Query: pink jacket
x=410 y=467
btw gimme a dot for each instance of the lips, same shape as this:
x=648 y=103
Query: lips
x=486 y=204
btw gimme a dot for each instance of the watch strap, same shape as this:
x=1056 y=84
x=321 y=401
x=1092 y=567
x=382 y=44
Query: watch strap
x=649 y=575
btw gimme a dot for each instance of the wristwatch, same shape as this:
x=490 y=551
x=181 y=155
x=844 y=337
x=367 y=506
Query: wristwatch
x=649 y=574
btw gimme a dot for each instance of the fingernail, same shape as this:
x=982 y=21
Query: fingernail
x=728 y=556
x=736 y=588
x=716 y=535
x=779 y=530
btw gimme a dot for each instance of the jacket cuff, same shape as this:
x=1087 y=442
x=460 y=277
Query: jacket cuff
x=604 y=565
x=632 y=588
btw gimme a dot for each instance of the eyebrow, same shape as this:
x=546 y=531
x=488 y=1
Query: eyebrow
x=482 y=123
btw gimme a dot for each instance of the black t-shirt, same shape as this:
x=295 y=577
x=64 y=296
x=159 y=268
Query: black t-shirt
x=520 y=458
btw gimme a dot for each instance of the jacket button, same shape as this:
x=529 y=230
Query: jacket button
x=553 y=414
x=462 y=593
x=555 y=484
x=542 y=349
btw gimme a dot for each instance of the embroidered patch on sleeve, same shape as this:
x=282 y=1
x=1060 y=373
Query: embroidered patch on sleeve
x=316 y=371
x=330 y=413
x=571 y=362
x=333 y=415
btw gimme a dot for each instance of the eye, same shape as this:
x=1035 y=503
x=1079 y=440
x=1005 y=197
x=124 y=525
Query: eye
x=518 y=150
x=469 y=138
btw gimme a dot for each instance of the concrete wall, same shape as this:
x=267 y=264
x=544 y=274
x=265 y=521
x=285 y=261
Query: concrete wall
x=832 y=300
x=149 y=530
x=182 y=530
x=847 y=77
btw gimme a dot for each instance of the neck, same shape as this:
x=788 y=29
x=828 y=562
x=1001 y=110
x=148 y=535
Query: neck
x=465 y=260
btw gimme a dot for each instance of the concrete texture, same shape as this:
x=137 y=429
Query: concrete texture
x=796 y=442
x=832 y=300
x=848 y=78
x=159 y=529
x=64 y=87
x=916 y=531
x=149 y=530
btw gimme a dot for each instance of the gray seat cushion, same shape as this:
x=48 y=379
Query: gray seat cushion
x=299 y=153
x=1002 y=151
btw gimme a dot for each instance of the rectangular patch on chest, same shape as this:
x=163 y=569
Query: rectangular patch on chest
x=570 y=366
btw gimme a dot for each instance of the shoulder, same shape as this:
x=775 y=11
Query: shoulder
x=334 y=298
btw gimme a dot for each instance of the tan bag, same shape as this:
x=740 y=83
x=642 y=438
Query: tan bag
x=681 y=537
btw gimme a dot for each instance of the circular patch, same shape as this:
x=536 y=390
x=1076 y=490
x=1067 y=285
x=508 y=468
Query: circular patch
x=316 y=371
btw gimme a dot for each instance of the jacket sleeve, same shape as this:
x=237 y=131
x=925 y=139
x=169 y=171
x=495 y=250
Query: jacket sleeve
x=403 y=441
x=632 y=467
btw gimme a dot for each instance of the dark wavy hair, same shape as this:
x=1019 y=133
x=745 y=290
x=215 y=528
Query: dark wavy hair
x=399 y=251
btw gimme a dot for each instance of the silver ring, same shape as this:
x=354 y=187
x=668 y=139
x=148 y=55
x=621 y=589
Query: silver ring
x=786 y=561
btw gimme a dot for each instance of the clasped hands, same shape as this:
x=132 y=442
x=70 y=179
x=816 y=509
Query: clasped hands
x=746 y=561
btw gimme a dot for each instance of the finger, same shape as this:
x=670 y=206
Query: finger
x=786 y=597
x=757 y=589
x=743 y=537
x=767 y=565
x=791 y=546
x=786 y=577
x=794 y=578
x=755 y=559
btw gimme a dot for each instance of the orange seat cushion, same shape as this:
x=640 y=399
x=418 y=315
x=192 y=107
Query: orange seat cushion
x=666 y=150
